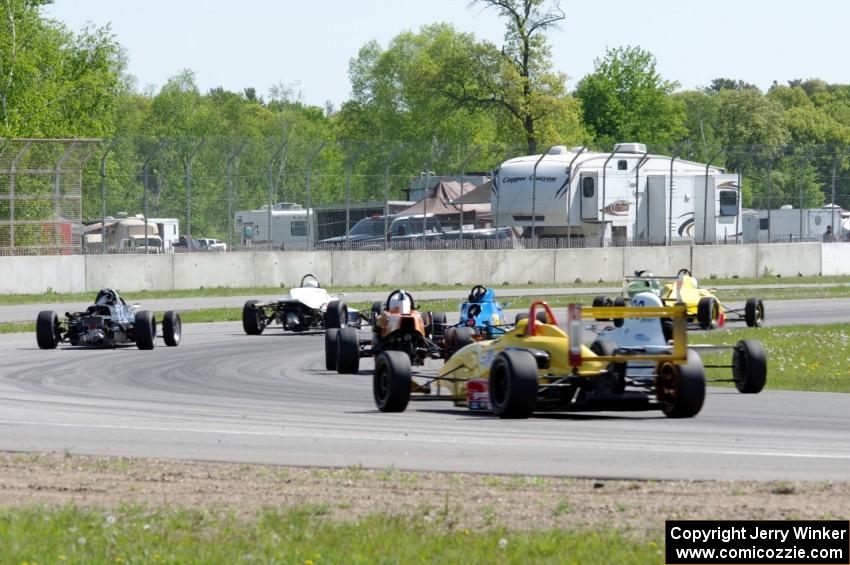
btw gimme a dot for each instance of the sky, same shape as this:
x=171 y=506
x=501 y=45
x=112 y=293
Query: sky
x=308 y=45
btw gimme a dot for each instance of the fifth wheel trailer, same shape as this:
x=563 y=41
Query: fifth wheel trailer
x=626 y=195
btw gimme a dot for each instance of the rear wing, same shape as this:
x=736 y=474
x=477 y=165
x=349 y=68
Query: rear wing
x=676 y=313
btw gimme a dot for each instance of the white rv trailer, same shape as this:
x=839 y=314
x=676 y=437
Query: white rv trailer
x=288 y=227
x=627 y=194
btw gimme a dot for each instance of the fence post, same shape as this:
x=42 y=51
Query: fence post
x=57 y=175
x=472 y=154
x=146 y=171
x=229 y=180
x=12 y=174
x=705 y=195
x=676 y=153
x=272 y=191
x=534 y=197
x=349 y=164
x=187 y=171
x=392 y=156
x=310 y=218
x=103 y=195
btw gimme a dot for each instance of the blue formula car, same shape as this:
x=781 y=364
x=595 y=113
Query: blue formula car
x=482 y=313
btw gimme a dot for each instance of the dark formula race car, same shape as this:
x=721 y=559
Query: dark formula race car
x=106 y=323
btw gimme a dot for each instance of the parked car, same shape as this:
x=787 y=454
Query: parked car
x=210 y=244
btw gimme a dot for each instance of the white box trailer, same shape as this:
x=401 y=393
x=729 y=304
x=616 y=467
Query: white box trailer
x=289 y=228
x=169 y=231
x=627 y=194
x=795 y=224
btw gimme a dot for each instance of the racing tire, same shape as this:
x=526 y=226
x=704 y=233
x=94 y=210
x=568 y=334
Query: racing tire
x=330 y=349
x=619 y=302
x=707 y=312
x=749 y=366
x=336 y=316
x=377 y=308
x=252 y=321
x=347 y=351
x=145 y=330
x=754 y=313
x=680 y=389
x=457 y=338
x=437 y=327
x=391 y=381
x=513 y=384
x=541 y=317
x=172 y=328
x=47 y=329
x=601 y=301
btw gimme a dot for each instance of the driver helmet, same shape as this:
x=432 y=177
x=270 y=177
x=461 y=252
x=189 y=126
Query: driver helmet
x=400 y=302
x=105 y=296
x=311 y=283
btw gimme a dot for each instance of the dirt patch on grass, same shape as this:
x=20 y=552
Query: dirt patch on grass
x=454 y=499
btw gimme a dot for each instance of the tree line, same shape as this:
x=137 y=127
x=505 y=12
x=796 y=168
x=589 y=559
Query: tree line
x=431 y=99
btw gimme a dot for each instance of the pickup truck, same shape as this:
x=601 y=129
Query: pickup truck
x=401 y=230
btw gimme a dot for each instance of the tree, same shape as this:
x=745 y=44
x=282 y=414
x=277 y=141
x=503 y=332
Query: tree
x=518 y=79
x=626 y=99
x=54 y=83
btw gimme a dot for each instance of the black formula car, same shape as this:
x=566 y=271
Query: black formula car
x=106 y=323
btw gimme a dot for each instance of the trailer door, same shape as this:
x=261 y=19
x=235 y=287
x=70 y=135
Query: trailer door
x=589 y=188
x=652 y=217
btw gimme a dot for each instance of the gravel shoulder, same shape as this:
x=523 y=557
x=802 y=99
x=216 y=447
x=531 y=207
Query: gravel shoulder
x=514 y=503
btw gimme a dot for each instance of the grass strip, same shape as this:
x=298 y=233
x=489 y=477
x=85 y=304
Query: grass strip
x=53 y=297
x=804 y=357
x=297 y=535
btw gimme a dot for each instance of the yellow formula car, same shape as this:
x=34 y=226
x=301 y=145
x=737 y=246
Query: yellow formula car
x=703 y=307
x=538 y=367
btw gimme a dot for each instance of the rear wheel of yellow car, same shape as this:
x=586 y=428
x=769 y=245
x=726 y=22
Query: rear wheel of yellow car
x=754 y=313
x=749 y=366
x=513 y=384
x=391 y=381
x=680 y=389
x=708 y=310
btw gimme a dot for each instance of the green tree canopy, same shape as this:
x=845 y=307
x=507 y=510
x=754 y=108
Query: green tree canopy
x=625 y=99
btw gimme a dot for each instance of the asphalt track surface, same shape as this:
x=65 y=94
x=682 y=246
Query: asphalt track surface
x=225 y=396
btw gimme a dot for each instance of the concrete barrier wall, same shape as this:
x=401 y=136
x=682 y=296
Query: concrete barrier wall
x=287 y=269
x=789 y=259
x=37 y=275
x=588 y=265
x=658 y=260
x=835 y=258
x=725 y=261
x=129 y=272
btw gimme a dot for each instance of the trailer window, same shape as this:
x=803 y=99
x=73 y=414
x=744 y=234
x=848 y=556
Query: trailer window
x=587 y=188
x=298 y=229
x=728 y=203
x=622 y=165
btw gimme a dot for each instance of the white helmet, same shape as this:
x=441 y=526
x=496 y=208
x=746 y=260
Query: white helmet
x=311 y=283
x=400 y=302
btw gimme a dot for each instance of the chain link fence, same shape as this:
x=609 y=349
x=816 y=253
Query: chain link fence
x=41 y=193
x=293 y=192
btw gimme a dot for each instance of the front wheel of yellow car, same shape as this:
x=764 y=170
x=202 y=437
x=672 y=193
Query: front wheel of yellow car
x=708 y=311
x=680 y=389
x=513 y=384
x=391 y=381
